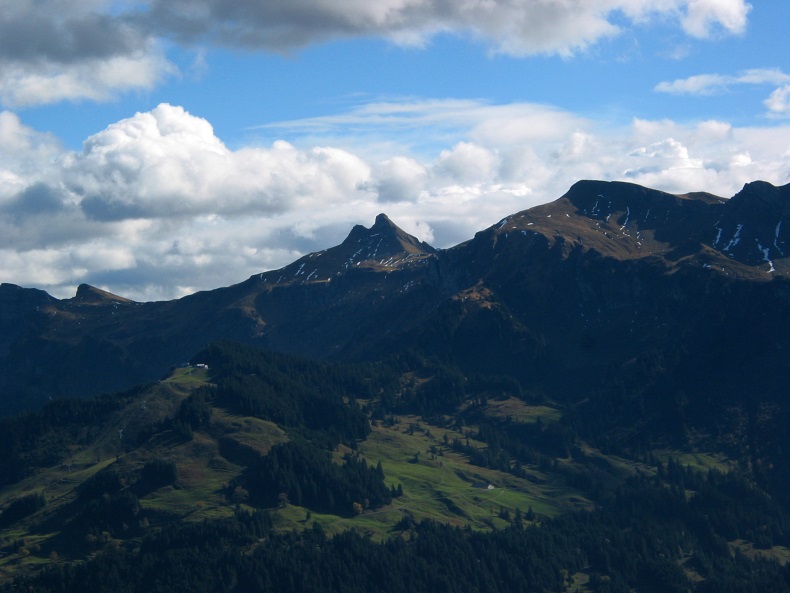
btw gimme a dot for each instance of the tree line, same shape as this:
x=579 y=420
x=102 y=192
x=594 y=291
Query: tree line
x=646 y=538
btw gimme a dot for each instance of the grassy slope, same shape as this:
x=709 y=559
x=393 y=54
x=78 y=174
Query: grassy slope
x=437 y=483
x=443 y=487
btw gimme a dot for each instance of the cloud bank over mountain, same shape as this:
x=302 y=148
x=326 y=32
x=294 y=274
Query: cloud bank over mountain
x=233 y=137
x=157 y=206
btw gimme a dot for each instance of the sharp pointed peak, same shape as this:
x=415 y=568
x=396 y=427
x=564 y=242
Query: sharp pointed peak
x=383 y=220
x=384 y=241
x=90 y=294
x=383 y=223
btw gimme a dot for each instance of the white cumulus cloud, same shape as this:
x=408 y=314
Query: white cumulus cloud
x=778 y=103
x=156 y=205
x=168 y=163
x=398 y=179
x=467 y=162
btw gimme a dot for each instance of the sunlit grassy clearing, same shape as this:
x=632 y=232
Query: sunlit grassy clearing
x=520 y=411
x=188 y=375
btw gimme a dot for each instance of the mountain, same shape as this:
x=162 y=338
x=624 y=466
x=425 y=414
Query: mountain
x=551 y=295
x=589 y=395
x=255 y=471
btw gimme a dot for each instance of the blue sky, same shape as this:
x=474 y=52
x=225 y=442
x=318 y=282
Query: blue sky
x=159 y=147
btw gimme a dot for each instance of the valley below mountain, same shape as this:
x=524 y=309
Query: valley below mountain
x=587 y=396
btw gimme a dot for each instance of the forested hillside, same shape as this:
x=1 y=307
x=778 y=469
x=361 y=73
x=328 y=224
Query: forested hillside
x=588 y=396
x=259 y=471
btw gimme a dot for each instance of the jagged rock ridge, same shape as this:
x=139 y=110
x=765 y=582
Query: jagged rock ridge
x=383 y=247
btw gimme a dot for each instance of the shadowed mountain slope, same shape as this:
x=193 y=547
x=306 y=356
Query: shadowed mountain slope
x=556 y=296
x=620 y=351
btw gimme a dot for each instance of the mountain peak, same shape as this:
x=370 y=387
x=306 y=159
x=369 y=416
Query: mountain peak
x=382 y=247
x=382 y=220
x=382 y=224
x=627 y=221
x=88 y=294
x=16 y=302
x=385 y=239
x=621 y=219
x=620 y=194
x=763 y=198
x=753 y=227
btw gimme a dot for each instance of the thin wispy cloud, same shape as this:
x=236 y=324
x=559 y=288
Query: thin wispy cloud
x=707 y=85
x=401 y=123
x=711 y=84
